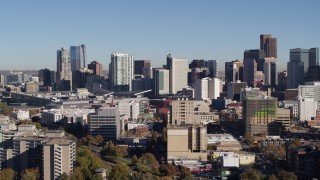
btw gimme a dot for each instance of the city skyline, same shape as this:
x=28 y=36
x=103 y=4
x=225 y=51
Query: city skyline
x=191 y=30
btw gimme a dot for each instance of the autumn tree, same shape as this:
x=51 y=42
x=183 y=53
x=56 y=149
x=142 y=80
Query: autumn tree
x=149 y=160
x=30 y=174
x=285 y=175
x=7 y=174
x=249 y=174
x=272 y=177
x=119 y=172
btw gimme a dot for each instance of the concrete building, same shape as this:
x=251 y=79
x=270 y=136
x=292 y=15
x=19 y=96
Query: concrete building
x=282 y=81
x=161 y=80
x=270 y=73
x=59 y=156
x=46 y=77
x=234 y=90
x=187 y=143
x=32 y=87
x=20 y=115
x=129 y=109
x=307 y=108
x=178 y=74
x=310 y=90
x=184 y=111
x=283 y=117
x=81 y=76
x=121 y=72
x=107 y=123
x=229 y=160
x=260 y=115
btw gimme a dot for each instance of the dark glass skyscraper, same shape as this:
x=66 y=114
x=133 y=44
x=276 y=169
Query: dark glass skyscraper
x=269 y=45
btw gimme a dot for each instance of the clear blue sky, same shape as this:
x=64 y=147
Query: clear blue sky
x=31 y=31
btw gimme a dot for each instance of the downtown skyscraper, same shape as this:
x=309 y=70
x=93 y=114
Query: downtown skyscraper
x=178 y=73
x=64 y=74
x=78 y=57
x=269 y=45
x=121 y=71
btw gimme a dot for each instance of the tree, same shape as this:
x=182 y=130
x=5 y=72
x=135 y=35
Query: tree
x=272 y=177
x=164 y=135
x=212 y=147
x=7 y=174
x=5 y=109
x=285 y=175
x=134 y=160
x=296 y=142
x=149 y=160
x=248 y=138
x=30 y=174
x=77 y=174
x=147 y=176
x=99 y=140
x=64 y=176
x=185 y=173
x=249 y=174
x=119 y=172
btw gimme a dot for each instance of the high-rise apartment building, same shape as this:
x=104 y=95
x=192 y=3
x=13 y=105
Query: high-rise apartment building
x=59 y=156
x=121 y=72
x=178 y=74
x=260 y=114
x=140 y=65
x=212 y=67
x=269 y=45
x=106 y=122
x=161 y=79
x=78 y=57
x=97 y=68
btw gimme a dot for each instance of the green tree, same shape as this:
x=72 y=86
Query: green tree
x=212 y=147
x=30 y=174
x=119 y=172
x=99 y=140
x=285 y=175
x=7 y=174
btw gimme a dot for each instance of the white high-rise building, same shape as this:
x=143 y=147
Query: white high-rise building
x=64 y=74
x=161 y=85
x=201 y=88
x=310 y=90
x=178 y=74
x=121 y=72
x=207 y=88
x=307 y=109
